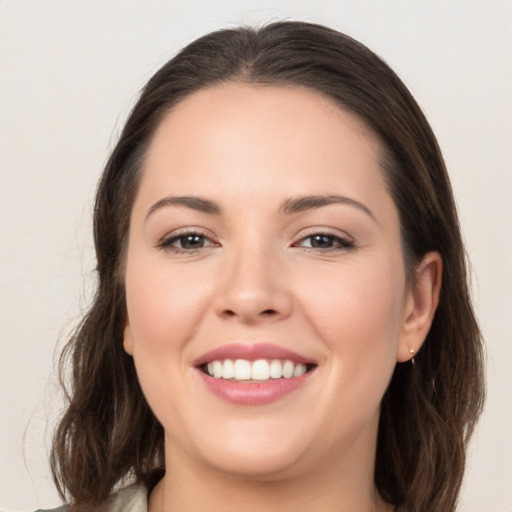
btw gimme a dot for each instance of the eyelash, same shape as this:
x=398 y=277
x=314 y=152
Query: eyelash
x=341 y=243
x=167 y=243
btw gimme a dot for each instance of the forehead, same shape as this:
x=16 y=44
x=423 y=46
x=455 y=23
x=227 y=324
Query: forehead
x=250 y=135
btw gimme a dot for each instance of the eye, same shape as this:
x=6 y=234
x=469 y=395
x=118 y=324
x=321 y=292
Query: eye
x=187 y=242
x=325 y=242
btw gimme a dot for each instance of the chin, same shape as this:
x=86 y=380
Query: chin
x=257 y=465
x=257 y=453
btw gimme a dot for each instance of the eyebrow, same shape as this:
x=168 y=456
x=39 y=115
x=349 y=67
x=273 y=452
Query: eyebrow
x=289 y=207
x=304 y=203
x=196 y=203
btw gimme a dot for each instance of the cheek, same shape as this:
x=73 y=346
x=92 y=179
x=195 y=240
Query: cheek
x=358 y=315
x=163 y=308
x=163 y=312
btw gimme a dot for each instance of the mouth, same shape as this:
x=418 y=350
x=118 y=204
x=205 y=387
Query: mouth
x=253 y=374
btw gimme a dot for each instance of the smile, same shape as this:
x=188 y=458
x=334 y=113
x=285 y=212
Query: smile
x=253 y=374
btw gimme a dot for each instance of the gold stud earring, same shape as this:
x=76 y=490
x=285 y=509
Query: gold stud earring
x=412 y=352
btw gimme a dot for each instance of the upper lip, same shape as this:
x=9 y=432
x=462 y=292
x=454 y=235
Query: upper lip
x=251 y=352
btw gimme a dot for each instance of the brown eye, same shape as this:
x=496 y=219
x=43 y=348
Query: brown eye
x=187 y=242
x=325 y=241
x=322 y=241
x=190 y=242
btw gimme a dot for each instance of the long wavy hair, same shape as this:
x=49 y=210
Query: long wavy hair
x=108 y=432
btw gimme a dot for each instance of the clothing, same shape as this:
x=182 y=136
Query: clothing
x=130 y=499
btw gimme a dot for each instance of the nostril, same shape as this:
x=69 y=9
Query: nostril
x=266 y=312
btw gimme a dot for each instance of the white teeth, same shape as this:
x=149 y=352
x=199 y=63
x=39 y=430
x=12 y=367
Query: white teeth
x=217 y=369
x=242 y=370
x=276 y=369
x=288 y=368
x=300 y=369
x=261 y=369
x=228 y=369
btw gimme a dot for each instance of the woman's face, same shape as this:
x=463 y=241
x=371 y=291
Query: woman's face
x=263 y=231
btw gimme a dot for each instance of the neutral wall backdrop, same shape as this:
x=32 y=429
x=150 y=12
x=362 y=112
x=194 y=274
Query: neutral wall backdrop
x=69 y=72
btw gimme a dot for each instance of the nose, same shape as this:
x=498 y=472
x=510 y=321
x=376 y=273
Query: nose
x=254 y=288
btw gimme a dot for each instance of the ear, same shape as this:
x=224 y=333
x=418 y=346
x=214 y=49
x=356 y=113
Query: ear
x=421 y=304
x=127 y=337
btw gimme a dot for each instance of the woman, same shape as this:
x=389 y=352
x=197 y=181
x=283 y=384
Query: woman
x=282 y=318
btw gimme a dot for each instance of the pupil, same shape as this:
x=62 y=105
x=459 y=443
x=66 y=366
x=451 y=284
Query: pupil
x=192 y=242
x=321 y=241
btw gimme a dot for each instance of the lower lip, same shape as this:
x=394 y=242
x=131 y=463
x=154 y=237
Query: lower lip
x=253 y=393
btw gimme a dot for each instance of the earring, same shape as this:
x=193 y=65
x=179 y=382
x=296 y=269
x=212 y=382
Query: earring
x=412 y=352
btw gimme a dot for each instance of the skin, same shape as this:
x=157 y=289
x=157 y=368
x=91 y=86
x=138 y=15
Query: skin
x=257 y=278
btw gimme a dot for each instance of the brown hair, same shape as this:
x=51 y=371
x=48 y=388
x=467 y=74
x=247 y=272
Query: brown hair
x=429 y=410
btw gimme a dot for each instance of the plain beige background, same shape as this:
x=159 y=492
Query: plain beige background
x=69 y=72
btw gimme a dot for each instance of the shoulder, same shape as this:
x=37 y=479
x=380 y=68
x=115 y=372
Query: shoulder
x=133 y=498
x=130 y=499
x=64 y=508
